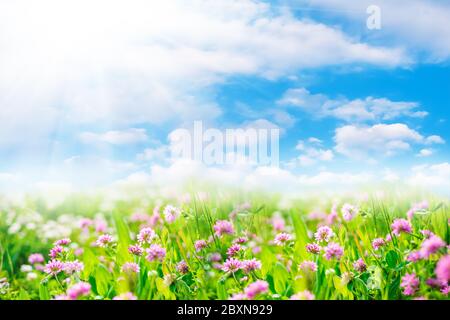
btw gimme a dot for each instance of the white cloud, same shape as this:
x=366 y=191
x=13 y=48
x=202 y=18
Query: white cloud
x=310 y=154
x=115 y=137
x=380 y=139
x=422 y=26
x=147 y=62
x=431 y=176
x=425 y=153
x=368 y=109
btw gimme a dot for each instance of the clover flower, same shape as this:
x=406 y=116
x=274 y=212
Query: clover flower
x=71 y=267
x=223 y=227
x=54 y=267
x=401 y=225
x=130 y=268
x=171 y=213
x=282 y=238
x=136 y=250
x=56 y=251
x=233 y=250
x=200 y=244
x=251 y=265
x=182 y=267
x=232 y=265
x=256 y=288
x=431 y=245
x=359 y=265
x=378 y=243
x=313 y=248
x=410 y=284
x=333 y=251
x=78 y=290
x=146 y=235
x=104 y=240
x=308 y=266
x=62 y=242
x=349 y=211
x=35 y=258
x=156 y=253
x=443 y=269
x=323 y=233
x=303 y=295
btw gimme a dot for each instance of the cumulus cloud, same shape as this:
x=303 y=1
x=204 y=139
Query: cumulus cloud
x=311 y=153
x=431 y=176
x=425 y=153
x=361 y=110
x=147 y=62
x=422 y=26
x=115 y=137
x=380 y=139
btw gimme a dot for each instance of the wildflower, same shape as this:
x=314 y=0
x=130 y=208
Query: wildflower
x=308 y=266
x=313 y=248
x=146 y=235
x=443 y=269
x=125 y=296
x=171 y=213
x=73 y=267
x=54 y=267
x=359 y=265
x=104 y=240
x=136 y=250
x=200 y=244
x=378 y=243
x=26 y=268
x=100 y=225
x=251 y=265
x=215 y=257
x=223 y=227
x=303 y=295
x=427 y=233
x=420 y=206
x=256 y=249
x=333 y=250
x=31 y=276
x=410 y=284
x=240 y=240
x=78 y=290
x=182 y=267
x=401 y=225
x=431 y=245
x=232 y=265
x=55 y=252
x=35 y=258
x=323 y=233
x=233 y=250
x=348 y=212
x=333 y=216
x=156 y=253
x=62 y=242
x=282 y=238
x=278 y=223
x=414 y=256
x=78 y=252
x=130 y=268
x=238 y=296
x=85 y=223
x=256 y=288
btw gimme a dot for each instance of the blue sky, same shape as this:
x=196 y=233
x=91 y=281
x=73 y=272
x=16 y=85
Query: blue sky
x=93 y=103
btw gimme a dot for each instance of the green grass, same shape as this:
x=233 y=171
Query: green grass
x=32 y=227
